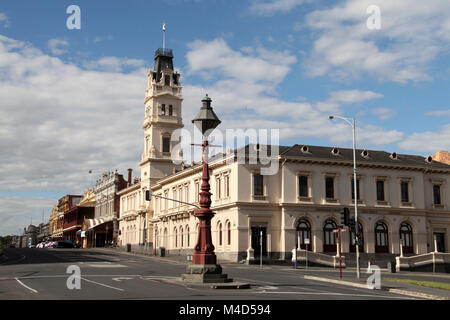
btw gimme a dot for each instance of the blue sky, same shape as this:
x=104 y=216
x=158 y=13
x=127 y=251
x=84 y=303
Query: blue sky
x=72 y=100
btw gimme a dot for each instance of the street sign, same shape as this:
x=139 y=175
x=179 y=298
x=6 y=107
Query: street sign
x=306 y=241
x=83 y=234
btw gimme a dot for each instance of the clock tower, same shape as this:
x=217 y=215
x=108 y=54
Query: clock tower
x=163 y=100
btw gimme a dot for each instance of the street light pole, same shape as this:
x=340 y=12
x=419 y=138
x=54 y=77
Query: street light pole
x=353 y=124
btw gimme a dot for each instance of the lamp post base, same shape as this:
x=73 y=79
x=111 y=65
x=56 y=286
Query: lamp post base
x=204 y=273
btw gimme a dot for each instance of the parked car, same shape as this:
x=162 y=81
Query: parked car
x=49 y=244
x=63 y=244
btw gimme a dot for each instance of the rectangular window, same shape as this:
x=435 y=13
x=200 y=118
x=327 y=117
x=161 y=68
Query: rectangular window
x=227 y=186
x=167 y=80
x=258 y=186
x=166 y=144
x=197 y=191
x=380 y=190
x=357 y=189
x=436 y=194
x=218 y=188
x=404 y=191
x=303 y=186
x=329 y=187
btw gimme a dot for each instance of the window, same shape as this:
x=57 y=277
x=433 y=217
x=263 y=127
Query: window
x=176 y=237
x=436 y=194
x=227 y=186
x=404 y=191
x=188 y=240
x=406 y=238
x=258 y=187
x=357 y=189
x=167 y=80
x=381 y=238
x=380 y=190
x=229 y=233
x=166 y=144
x=170 y=110
x=329 y=244
x=303 y=233
x=197 y=191
x=220 y=234
x=218 y=188
x=329 y=187
x=181 y=237
x=303 y=186
x=163 y=109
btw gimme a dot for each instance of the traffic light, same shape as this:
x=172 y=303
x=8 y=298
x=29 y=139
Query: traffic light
x=345 y=217
x=148 y=195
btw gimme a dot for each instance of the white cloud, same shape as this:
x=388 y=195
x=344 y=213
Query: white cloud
x=58 y=120
x=58 y=46
x=4 y=19
x=249 y=100
x=268 y=8
x=412 y=34
x=429 y=141
x=257 y=65
x=439 y=113
x=383 y=113
x=113 y=64
x=17 y=213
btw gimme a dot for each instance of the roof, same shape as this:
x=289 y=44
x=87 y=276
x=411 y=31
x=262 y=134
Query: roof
x=346 y=154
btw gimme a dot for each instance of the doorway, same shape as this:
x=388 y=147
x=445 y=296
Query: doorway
x=440 y=241
x=257 y=232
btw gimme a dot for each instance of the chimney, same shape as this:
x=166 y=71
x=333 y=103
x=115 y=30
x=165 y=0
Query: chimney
x=130 y=171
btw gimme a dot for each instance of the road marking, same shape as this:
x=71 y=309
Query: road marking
x=107 y=265
x=23 y=284
x=101 y=284
x=121 y=278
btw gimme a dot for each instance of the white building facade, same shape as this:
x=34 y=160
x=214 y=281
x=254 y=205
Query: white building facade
x=400 y=198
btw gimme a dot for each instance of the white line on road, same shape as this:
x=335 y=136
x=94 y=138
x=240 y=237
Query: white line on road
x=31 y=289
x=101 y=284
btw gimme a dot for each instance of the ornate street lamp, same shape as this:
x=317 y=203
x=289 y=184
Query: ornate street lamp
x=204 y=267
x=206 y=121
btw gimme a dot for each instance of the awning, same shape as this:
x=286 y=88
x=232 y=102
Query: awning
x=92 y=223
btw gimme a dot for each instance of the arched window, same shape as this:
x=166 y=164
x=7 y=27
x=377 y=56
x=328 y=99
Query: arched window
x=381 y=238
x=165 y=238
x=406 y=238
x=163 y=109
x=175 y=232
x=229 y=233
x=181 y=237
x=220 y=234
x=303 y=232
x=329 y=237
x=353 y=239
x=188 y=237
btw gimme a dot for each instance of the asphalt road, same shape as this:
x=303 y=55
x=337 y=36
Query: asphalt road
x=107 y=274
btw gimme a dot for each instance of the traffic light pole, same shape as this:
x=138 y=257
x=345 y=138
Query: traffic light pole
x=356 y=200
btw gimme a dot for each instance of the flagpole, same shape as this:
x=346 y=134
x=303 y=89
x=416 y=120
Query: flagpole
x=164 y=35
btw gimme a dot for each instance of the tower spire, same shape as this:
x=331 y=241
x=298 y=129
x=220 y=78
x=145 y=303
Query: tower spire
x=164 y=34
